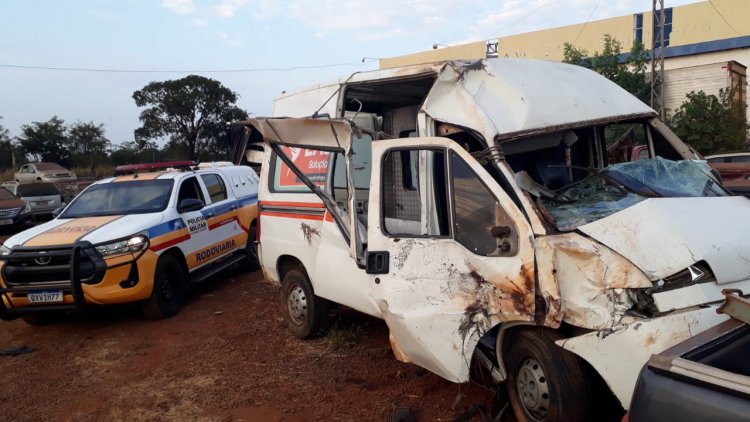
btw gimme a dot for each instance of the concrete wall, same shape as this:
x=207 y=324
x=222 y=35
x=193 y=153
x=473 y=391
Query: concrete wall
x=548 y=44
x=691 y=24
x=477 y=50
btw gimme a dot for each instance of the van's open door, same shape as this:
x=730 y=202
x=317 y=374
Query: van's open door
x=324 y=135
x=449 y=252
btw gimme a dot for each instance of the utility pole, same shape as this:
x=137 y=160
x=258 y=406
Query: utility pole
x=657 y=59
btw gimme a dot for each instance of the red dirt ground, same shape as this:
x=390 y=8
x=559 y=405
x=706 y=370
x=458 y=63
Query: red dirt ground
x=226 y=356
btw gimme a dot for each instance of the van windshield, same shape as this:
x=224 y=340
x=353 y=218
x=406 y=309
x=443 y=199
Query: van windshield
x=116 y=198
x=623 y=185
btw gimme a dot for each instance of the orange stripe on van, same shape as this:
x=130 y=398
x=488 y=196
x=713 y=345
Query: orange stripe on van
x=292 y=204
x=296 y=216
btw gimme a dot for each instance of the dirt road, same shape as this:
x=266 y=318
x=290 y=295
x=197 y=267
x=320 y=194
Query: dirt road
x=225 y=356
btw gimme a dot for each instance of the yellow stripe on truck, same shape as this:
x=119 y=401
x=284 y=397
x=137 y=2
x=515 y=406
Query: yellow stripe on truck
x=71 y=231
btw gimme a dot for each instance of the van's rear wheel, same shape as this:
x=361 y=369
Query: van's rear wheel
x=169 y=289
x=545 y=382
x=305 y=314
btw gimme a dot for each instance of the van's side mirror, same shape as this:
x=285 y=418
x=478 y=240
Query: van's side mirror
x=190 y=204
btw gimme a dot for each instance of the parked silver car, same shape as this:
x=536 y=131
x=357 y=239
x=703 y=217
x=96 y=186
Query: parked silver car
x=43 y=198
x=44 y=172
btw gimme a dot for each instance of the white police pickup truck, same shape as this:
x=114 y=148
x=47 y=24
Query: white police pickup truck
x=134 y=238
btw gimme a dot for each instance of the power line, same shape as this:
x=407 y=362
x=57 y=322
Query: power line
x=100 y=70
x=587 y=21
x=723 y=18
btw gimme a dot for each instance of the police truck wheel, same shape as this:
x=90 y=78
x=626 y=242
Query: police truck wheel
x=305 y=314
x=545 y=382
x=169 y=289
x=251 y=262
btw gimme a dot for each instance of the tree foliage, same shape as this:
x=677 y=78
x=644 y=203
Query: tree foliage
x=191 y=111
x=46 y=141
x=6 y=148
x=87 y=143
x=629 y=74
x=708 y=123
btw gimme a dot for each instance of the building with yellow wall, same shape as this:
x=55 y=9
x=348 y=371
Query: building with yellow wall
x=707 y=45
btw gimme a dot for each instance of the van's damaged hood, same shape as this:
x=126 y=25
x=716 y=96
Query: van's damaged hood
x=663 y=236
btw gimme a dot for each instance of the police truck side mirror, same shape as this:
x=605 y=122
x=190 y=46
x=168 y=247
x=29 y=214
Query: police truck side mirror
x=190 y=204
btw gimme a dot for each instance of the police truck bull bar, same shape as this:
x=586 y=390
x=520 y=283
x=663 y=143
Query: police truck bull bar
x=62 y=268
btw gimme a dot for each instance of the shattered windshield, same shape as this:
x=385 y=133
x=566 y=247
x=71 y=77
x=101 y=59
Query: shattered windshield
x=623 y=185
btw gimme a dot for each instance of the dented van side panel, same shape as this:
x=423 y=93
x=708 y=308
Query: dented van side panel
x=439 y=298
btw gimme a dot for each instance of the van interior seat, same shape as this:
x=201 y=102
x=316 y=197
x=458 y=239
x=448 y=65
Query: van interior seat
x=553 y=174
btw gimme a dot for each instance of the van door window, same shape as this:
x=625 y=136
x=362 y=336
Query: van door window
x=414 y=193
x=480 y=223
x=312 y=163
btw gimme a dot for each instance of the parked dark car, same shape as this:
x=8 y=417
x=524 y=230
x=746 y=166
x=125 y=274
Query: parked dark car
x=705 y=378
x=14 y=211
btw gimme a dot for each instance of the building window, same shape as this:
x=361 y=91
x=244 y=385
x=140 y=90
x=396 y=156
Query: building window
x=639 y=27
x=667 y=27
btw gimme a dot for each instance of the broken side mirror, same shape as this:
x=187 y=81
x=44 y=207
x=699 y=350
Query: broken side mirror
x=500 y=232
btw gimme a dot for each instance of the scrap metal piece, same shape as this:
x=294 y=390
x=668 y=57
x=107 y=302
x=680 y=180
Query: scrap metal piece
x=735 y=305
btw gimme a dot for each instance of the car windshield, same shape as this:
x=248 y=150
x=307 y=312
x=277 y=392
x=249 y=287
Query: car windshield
x=622 y=185
x=115 y=198
x=48 y=166
x=37 y=189
x=6 y=194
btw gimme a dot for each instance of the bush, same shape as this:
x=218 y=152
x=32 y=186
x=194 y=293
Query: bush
x=709 y=124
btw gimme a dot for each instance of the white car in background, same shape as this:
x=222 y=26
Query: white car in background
x=44 y=172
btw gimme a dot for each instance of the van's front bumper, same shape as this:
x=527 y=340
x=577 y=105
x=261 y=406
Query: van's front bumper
x=619 y=353
x=77 y=272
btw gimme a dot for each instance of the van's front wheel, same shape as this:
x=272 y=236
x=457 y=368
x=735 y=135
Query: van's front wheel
x=545 y=382
x=305 y=314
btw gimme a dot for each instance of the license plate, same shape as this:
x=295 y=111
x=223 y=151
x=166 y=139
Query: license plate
x=45 y=296
x=6 y=222
x=41 y=202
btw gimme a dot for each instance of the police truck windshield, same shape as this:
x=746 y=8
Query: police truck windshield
x=116 y=198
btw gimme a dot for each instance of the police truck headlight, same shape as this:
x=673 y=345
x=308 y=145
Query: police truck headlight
x=134 y=244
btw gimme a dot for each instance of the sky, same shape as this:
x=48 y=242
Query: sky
x=268 y=37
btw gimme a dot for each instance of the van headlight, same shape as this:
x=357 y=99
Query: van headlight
x=135 y=244
x=4 y=250
x=26 y=209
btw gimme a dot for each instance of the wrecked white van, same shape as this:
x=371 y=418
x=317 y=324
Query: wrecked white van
x=473 y=207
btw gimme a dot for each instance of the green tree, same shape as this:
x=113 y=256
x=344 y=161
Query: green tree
x=46 y=141
x=131 y=152
x=191 y=111
x=88 y=145
x=630 y=74
x=6 y=148
x=708 y=123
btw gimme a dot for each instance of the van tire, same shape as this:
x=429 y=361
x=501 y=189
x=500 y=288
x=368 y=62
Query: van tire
x=553 y=384
x=251 y=262
x=305 y=314
x=169 y=289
